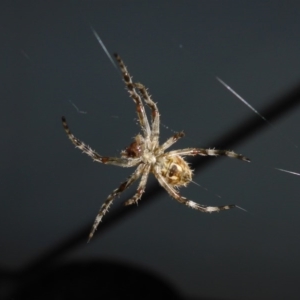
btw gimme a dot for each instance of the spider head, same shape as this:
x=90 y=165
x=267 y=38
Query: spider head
x=135 y=149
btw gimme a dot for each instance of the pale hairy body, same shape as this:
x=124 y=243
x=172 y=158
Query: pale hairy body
x=145 y=153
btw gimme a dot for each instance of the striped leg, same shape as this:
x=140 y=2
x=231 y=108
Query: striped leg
x=154 y=112
x=141 y=187
x=172 y=140
x=105 y=206
x=173 y=193
x=136 y=98
x=123 y=162
x=207 y=152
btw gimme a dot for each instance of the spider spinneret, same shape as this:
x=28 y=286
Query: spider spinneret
x=145 y=152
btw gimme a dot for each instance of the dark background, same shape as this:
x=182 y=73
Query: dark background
x=51 y=193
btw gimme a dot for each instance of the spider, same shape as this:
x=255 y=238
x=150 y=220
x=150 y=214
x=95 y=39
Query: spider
x=145 y=153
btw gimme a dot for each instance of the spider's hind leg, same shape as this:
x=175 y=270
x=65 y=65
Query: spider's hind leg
x=172 y=140
x=208 y=152
x=105 y=206
x=174 y=194
x=141 y=188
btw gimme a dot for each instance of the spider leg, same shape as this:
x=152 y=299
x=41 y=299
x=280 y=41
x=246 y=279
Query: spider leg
x=141 y=188
x=174 y=194
x=140 y=109
x=172 y=140
x=123 y=162
x=207 y=152
x=154 y=112
x=105 y=206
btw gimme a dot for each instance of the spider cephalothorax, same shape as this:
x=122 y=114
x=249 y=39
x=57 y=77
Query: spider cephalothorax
x=145 y=152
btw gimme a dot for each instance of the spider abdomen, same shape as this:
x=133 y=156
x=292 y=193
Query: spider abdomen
x=175 y=170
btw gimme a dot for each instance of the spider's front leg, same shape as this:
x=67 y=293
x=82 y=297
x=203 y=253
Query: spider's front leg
x=118 y=161
x=154 y=111
x=136 y=98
